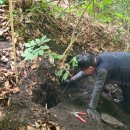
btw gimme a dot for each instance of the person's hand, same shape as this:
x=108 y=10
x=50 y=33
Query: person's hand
x=67 y=81
x=93 y=113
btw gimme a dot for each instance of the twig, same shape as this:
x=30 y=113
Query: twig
x=72 y=37
x=74 y=5
x=73 y=42
x=94 y=9
x=13 y=42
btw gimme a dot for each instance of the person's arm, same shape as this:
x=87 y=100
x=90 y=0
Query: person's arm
x=99 y=84
x=78 y=76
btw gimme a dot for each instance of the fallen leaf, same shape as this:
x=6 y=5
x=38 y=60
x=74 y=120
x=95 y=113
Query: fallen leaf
x=58 y=128
x=2 y=114
x=3 y=94
x=29 y=92
x=37 y=124
x=30 y=128
x=34 y=83
x=53 y=79
x=34 y=66
x=6 y=74
x=16 y=90
x=22 y=128
x=43 y=128
x=7 y=84
x=4 y=59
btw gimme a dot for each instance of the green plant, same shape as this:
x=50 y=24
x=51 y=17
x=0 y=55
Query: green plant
x=35 y=48
x=2 y=2
x=39 y=6
x=54 y=57
x=64 y=72
x=74 y=62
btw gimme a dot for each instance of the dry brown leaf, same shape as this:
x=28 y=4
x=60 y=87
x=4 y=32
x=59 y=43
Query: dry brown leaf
x=53 y=79
x=53 y=123
x=58 y=128
x=7 y=84
x=16 y=90
x=2 y=114
x=22 y=64
x=34 y=66
x=25 y=73
x=6 y=74
x=37 y=124
x=30 y=128
x=3 y=94
x=4 y=59
x=29 y=92
x=34 y=83
x=22 y=128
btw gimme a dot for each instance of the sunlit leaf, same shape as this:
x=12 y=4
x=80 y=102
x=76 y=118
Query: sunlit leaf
x=27 y=44
x=38 y=40
x=65 y=76
x=33 y=43
x=45 y=47
x=59 y=73
x=41 y=52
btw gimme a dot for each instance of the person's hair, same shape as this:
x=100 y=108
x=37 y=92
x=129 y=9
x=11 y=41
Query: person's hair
x=86 y=60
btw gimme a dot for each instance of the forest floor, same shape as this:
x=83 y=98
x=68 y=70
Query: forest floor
x=38 y=102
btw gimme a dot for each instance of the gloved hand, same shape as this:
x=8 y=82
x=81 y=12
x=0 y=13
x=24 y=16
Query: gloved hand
x=67 y=81
x=93 y=113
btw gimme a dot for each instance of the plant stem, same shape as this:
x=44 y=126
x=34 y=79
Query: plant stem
x=94 y=9
x=73 y=37
x=13 y=42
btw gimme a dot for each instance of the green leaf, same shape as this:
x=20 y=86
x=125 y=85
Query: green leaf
x=59 y=57
x=59 y=73
x=43 y=38
x=36 y=50
x=65 y=76
x=38 y=41
x=35 y=55
x=27 y=44
x=2 y=2
x=45 y=47
x=74 y=62
x=41 y=52
x=119 y=15
x=46 y=40
x=29 y=57
x=33 y=43
x=108 y=2
x=28 y=50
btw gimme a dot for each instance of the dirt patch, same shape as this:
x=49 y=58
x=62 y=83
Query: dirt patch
x=46 y=93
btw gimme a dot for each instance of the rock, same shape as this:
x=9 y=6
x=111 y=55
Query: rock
x=111 y=121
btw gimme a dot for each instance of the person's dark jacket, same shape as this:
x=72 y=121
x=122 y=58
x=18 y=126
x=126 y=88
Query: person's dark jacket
x=112 y=67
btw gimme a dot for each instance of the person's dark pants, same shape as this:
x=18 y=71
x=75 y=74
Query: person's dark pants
x=126 y=96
